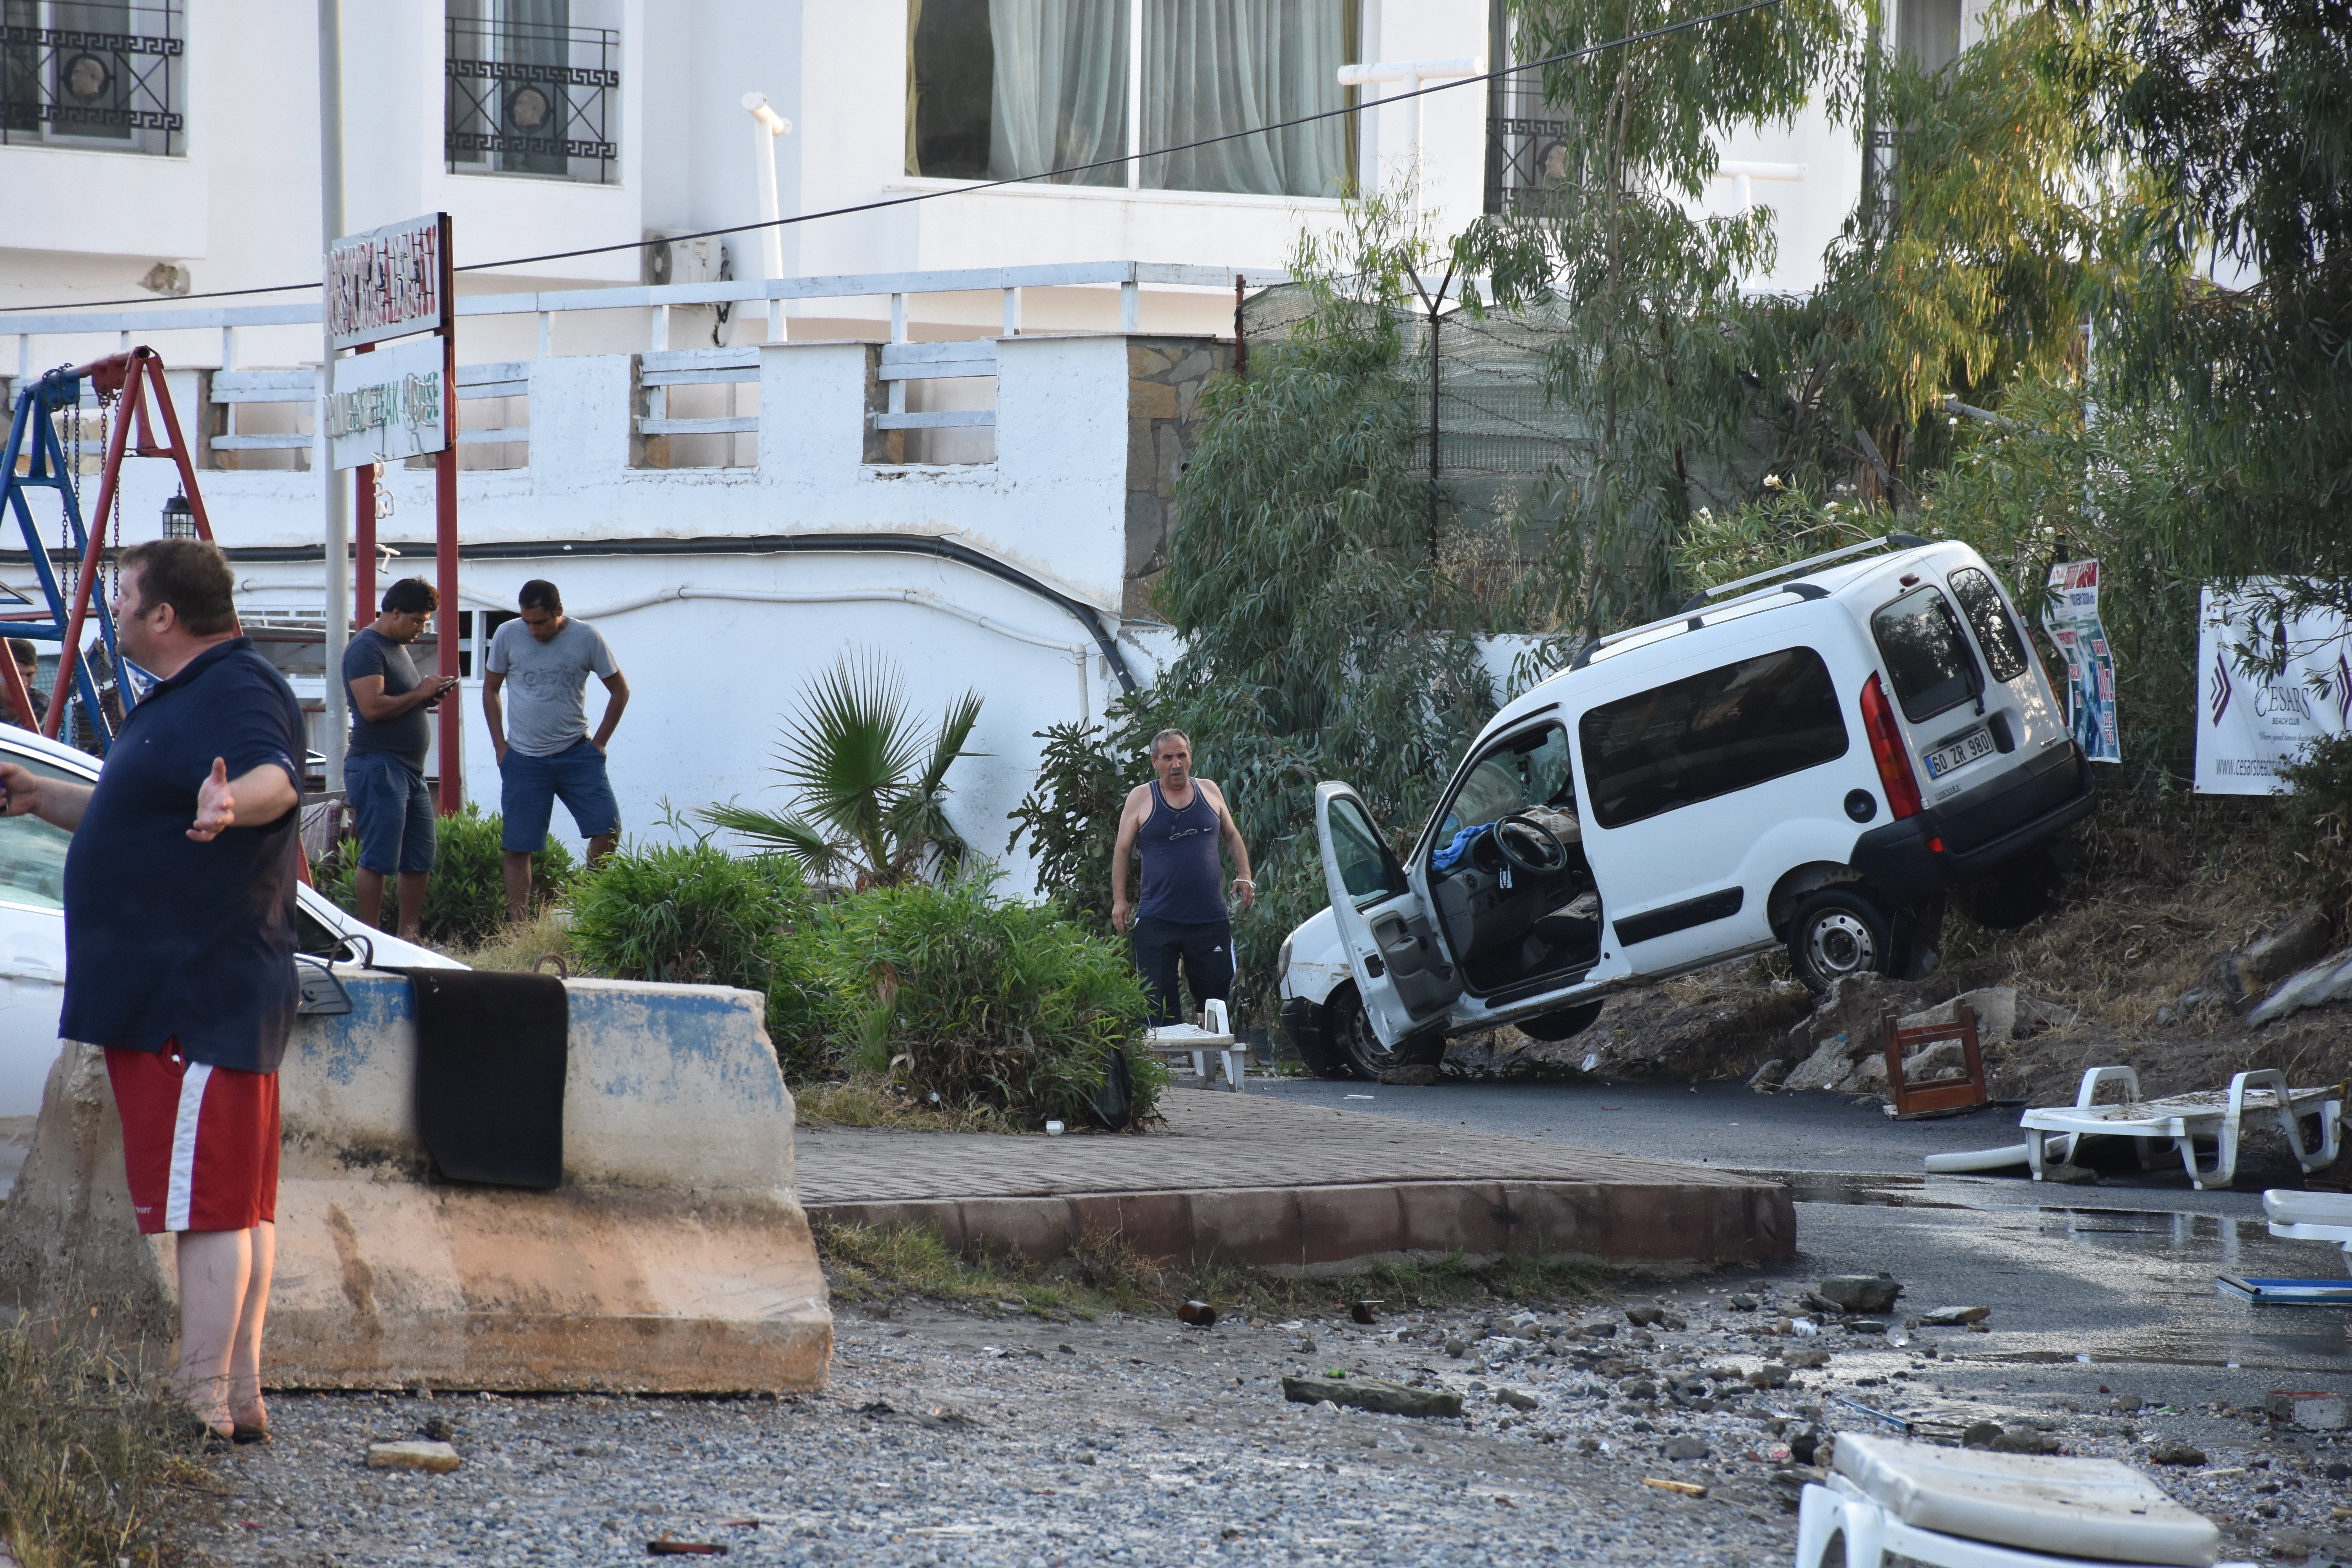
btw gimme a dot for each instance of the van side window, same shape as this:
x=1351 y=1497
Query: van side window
x=1706 y=735
x=2004 y=650
x=1929 y=660
x=1368 y=870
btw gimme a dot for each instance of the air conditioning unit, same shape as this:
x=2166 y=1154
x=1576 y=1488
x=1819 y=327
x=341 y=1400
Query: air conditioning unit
x=674 y=260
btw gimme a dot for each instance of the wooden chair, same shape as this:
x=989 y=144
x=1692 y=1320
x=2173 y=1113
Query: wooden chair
x=1928 y=1098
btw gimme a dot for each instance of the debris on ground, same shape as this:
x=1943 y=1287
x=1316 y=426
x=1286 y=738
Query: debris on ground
x=439 y=1458
x=1376 y=1394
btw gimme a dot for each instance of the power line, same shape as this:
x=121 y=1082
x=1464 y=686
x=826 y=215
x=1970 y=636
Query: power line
x=964 y=190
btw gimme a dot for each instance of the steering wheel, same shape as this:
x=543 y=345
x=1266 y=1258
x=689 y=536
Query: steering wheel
x=1530 y=846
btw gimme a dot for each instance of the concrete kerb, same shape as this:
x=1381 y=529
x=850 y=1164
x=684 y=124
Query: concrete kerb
x=1319 y=1231
x=675 y=1258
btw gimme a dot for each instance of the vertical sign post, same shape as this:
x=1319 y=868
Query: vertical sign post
x=397 y=282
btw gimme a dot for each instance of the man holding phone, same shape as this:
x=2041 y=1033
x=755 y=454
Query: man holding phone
x=384 y=769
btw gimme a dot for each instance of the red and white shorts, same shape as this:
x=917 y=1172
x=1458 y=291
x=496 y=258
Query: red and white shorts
x=199 y=1142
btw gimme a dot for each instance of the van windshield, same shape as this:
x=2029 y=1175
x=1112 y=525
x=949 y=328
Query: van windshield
x=1926 y=657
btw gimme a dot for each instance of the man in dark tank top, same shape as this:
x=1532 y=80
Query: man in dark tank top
x=1179 y=822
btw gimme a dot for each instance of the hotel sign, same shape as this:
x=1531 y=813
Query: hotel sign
x=389 y=404
x=388 y=282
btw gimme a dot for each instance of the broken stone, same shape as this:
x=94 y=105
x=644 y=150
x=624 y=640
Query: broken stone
x=2175 y=1454
x=1638 y=1388
x=1743 y=1303
x=2023 y=1440
x=1518 y=1400
x=1861 y=1292
x=2298 y=940
x=1980 y=1435
x=2125 y=1403
x=437 y=1457
x=1645 y=1317
x=1684 y=1449
x=1807 y=1356
x=1943 y=1061
x=1458 y=1349
x=1828 y=1065
x=1953 y=1317
x=1374 y=1394
x=2330 y=979
x=2071 y=1175
x=439 y=1428
x=2318 y=1412
x=1868 y=1076
x=1766 y=1078
x=1771 y=1374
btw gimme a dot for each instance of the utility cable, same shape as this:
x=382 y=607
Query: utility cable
x=969 y=189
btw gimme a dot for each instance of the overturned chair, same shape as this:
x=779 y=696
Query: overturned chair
x=663 y=1250
x=1960 y=1508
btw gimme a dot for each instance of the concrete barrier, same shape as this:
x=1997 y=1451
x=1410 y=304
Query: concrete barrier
x=675 y=1258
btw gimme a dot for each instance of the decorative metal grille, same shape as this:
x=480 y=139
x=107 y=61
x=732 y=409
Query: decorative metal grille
x=1529 y=150
x=102 y=74
x=532 y=99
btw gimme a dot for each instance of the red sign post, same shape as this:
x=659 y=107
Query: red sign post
x=395 y=283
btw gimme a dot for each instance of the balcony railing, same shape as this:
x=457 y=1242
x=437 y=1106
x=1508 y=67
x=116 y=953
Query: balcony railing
x=89 y=87
x=1528 y=151
x=526 y=99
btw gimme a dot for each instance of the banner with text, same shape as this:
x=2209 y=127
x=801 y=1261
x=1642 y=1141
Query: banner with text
x=2072 y=620
x=389 y=404
x=2251 y=720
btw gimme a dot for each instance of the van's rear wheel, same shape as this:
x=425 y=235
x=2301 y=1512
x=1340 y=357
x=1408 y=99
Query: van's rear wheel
x=1837 y=933
x=1359 y=1053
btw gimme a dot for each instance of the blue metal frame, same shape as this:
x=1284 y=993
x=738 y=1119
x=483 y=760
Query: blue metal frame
x=44 y=467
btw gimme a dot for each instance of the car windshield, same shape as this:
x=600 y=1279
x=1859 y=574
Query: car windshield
x=33 y=853
x=1926 y=657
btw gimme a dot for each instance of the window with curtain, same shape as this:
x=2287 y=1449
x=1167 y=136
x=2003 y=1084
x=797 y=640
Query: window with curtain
x=998 y=88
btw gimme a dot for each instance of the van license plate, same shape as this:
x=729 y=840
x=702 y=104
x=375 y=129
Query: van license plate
x=1943 y=759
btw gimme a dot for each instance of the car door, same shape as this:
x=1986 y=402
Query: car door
x=1400 y=973
x=32 y=946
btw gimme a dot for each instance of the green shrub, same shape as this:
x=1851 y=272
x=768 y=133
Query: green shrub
x=957 y=994
x=466 y=901
x=2317 y=818
x=688 y=913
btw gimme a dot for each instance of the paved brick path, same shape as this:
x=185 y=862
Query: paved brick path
x=1216 y=1141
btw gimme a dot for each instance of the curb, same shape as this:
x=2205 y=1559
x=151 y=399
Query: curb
x=1339 y=1229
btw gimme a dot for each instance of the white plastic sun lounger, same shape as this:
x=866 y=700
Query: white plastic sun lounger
x=1960 y=1508
x=2217 y=1114
x=2312 y=1216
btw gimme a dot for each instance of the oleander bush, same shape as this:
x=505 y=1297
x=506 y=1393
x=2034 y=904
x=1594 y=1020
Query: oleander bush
x=954 y=992
x=686 y=913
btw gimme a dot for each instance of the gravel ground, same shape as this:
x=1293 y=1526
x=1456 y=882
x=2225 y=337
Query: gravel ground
x=955 y=1435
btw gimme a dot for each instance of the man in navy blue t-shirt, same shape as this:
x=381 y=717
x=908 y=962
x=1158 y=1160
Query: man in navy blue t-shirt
x=179 y=892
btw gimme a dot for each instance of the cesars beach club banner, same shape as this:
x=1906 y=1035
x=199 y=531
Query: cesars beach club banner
x=2250 y=721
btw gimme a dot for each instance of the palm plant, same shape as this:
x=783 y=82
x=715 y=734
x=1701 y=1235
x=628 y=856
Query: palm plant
x=872 y=782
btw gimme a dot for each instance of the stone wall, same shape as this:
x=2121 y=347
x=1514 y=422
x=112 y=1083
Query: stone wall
x=1165 y=376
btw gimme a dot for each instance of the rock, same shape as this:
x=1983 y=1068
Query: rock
x=1766 y=1078
x=1804 y=1443
x=1420 y=1074
x=2071 y=1175
x=2023 y=1440
x=1684 y=1449
x=2338 y=1471
x=1980 y=1435
x=1518 y=1400
x=1867 y=1076
x=1458 y=1349
x=1601 y=1331
x=2316 y=1412
x=2175 y=1454
x=1742 y=1303
x=1861 y=1292
x=1645 y=1317
x=2330 y=979
x=1638 y=1388
x=1953 y=1317
x=1826 y=1066
x=439 y=1428
x=2298 y=940
x=1374 y=1394
x=1771 y=1374
x=1943 y=1060
x=438 y=1457
x=2125 y=1403
x=1808 y=1357
x=1995 y=1007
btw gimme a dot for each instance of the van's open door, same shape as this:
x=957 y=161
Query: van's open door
x=1400 y=972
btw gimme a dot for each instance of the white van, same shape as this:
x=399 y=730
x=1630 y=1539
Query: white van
x=1807 y=759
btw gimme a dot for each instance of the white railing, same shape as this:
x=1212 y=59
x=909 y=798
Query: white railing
x=661 y=367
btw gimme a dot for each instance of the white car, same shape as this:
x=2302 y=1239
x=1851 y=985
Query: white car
x=32 y=931
x=1808 y=758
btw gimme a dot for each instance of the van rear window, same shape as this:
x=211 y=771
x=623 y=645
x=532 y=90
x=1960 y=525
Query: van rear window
x=1925 y=655
x=1707 y=735
x=2004 y=650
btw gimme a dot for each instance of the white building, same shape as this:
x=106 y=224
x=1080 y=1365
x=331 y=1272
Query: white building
x=735 y=500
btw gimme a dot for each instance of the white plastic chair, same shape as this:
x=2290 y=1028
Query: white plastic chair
x=1197 y=1043
x=2219 y=1114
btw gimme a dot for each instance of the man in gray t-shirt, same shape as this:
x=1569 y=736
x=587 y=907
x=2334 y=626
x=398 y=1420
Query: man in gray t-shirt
x=545 y=752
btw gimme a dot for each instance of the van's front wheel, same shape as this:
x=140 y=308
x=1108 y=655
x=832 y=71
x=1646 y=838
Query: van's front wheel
x=1359 y=1052
x=1837 y=933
